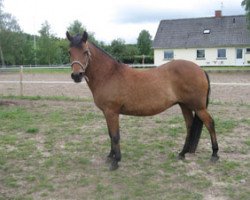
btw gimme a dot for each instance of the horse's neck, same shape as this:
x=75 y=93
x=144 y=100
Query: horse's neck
x=101 y=67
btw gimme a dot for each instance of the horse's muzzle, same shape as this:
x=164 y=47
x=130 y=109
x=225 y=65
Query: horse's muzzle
x=77 y=77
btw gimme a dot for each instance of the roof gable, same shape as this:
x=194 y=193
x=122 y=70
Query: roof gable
x=189 y=33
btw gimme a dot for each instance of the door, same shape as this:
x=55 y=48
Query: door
x=239 y=57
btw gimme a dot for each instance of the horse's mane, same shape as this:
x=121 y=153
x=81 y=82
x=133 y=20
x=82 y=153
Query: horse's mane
x=77 y=42
x=105 y=52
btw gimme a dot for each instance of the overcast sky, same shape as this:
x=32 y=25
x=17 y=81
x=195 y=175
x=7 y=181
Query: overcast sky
x=112 y=19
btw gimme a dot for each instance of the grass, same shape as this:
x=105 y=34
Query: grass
x=57 y=150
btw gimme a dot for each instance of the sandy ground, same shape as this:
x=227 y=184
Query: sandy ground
x=231 y=144
x=224 y=93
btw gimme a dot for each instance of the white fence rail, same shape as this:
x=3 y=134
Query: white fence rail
x=21 y=82
x=66 y=66
x=72 y=82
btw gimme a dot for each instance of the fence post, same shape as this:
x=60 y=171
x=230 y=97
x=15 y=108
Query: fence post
x=21 y=80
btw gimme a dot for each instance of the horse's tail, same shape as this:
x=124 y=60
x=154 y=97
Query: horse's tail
x=197 y=125
x=209 y=88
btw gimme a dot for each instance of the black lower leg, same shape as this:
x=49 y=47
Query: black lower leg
x=184 y=151
x=110 y=156
x=115 y=152
x=112 y=152
x=185 y=147
x=215 y=147
x=215 y=156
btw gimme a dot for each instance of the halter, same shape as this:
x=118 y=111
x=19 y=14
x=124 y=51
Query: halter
x=83 y=66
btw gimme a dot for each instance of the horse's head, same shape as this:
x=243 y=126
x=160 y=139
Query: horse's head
x=79 y=55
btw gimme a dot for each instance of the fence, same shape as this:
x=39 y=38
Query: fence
x=64 y=66
x=18 y=81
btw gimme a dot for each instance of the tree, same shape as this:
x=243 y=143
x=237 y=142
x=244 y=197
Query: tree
x=246 y=4
x=62 y=51
x=9 y=37
x=47 y=50
x=77 y=28
x=130 y=53
x=118 y=48
x=7 y=21
x=144 y=42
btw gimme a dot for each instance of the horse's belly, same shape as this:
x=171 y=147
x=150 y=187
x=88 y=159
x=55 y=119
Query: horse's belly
x=145 y=108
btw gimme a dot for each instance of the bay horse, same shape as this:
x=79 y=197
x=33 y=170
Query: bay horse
x=119 y=89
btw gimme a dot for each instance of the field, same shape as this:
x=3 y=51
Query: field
x=54 y=141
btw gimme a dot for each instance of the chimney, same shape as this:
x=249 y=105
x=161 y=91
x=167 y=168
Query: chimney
x=218 y=14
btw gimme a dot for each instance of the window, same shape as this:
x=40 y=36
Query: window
x=200 y=54
x=239 y=53
x=221 y=54
x=206 y=31
x=248 y=50
x=168 y=55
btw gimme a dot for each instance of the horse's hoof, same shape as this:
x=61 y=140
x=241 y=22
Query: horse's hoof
x=109 y=160
x=214 y=159
x=113 y=166
x=181 y=157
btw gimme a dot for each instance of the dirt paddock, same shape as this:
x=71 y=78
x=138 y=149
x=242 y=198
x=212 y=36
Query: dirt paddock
x=47 y=85
x=56 y=149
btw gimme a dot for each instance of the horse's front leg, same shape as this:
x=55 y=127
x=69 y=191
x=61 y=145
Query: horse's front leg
x=114 y=156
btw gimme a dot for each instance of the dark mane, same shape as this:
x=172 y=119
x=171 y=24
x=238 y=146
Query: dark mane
x=105 y=52
x=76 y=41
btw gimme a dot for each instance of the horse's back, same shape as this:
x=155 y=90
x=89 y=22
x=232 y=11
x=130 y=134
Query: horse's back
x=181 y=66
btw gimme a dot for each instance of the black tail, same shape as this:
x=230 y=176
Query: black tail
x=196 y=128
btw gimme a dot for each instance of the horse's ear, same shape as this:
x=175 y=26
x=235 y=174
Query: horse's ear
x=84 y=36
x=68 y=36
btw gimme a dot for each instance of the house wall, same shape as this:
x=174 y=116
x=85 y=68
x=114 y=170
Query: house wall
x=210 y=56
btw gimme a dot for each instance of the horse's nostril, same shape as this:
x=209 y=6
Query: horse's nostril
x=77 y=77
x=81 y=74
x=72 y=76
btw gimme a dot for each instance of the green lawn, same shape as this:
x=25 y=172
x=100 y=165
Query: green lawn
x=56 y=149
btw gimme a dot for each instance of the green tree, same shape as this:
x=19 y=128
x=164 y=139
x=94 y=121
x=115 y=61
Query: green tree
x=118 y=49
x=28 y=49
x=246 y=4
x=144 y=42
x=77 y=28
x=47 y=50
x=62 y=51
x=7 y=21
x=130 y=53
x=9 y=37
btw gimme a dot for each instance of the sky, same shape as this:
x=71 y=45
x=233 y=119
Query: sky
x=112 y=19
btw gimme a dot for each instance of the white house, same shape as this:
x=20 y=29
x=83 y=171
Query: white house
x=211 y=41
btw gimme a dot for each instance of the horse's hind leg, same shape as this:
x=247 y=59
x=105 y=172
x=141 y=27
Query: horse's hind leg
x=188 y=116
x=209 y=123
